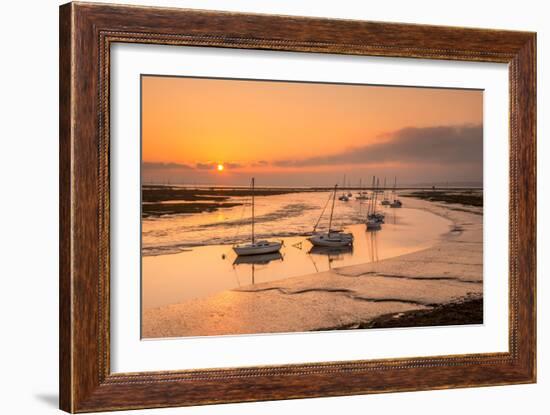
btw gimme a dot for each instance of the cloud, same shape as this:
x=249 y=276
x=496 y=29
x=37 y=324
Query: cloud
x=232 y=165
x=149 y=165
x=211 y=166
x=204 y=166
x=260 y=163
x=445 y=144
x=152 y=165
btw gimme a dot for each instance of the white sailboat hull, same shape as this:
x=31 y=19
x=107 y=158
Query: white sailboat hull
x=331 y=239
x=257 y=248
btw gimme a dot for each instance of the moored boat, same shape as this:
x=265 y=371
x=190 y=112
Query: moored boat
x=257 y=247
x=396 y=202
x=373 y=225
x=377 y=216
x=362 y=195
x=374 y=219
x=385 y=201
x=331 y=238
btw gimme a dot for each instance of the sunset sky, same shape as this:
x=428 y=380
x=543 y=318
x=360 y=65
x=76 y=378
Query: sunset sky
x=286 y=133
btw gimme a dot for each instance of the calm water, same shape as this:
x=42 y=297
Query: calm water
x=190 y=256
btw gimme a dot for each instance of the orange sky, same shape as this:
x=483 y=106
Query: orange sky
x=258 y=127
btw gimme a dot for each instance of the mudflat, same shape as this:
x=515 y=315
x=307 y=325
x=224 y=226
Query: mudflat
x=416 y=289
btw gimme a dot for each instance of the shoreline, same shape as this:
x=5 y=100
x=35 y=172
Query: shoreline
x=418 y=282
x=161 y=201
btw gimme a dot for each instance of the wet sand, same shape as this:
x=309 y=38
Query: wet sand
x=448 y=273
x=172 y=200
x=206 y=270
x=468 y=197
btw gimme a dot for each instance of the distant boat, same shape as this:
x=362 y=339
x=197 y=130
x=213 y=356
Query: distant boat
x=373 y=214
x=362 y=195
x=385 y=201
x=396 y=202
x=344 y=197
x=256 y=247
x=373 y=224
x=332 y=238
x=374 y=219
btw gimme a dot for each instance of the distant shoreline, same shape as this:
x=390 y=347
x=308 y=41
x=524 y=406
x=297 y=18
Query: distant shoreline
x=159 y=200
x=289 y=189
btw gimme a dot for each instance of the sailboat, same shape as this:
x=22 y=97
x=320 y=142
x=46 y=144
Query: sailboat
x=362 y=195
x=344 y=197
x=332 y=237
x=385 y=201
x=374 y=219
x=396 y=202
x=256 y=247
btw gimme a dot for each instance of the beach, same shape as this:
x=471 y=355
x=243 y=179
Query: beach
x=437 y=284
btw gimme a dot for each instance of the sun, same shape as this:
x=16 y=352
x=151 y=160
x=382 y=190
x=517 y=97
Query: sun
x=220 y=167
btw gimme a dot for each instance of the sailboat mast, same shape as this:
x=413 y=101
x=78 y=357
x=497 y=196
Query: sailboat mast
x=376 y=195
x=372 y=198
x=332 y=208
x=394 y=186
x=384 y=187
x=253 y=210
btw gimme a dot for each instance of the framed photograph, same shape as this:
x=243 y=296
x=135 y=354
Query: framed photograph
x=260 y=207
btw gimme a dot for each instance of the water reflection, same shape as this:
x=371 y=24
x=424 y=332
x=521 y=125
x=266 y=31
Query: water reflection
x=372 y=245
x=258 y=259
x=206 y=270
x=254 y=260
x=332 y=253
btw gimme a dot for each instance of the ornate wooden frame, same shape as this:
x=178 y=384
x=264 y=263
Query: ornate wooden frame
x=86 y=33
